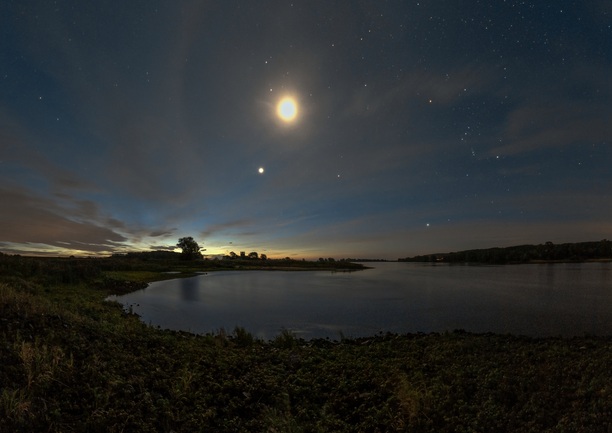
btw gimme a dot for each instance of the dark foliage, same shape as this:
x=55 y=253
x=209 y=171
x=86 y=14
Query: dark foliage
x=50 y=270
x=524 y=254
x=190 y=250
x=70 y=361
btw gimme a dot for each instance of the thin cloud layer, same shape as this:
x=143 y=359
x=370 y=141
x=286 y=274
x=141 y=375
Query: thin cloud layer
x=126 y=127
x=30 y=219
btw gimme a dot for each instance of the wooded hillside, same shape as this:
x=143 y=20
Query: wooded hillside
x=581 y=251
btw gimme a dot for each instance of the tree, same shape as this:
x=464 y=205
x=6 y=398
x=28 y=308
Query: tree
x=191 y=249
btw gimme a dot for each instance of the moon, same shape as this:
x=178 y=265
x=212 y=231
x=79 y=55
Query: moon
x=261 y=170
x=287 y=109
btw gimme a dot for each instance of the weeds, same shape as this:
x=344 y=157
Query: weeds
x=15 y=406
x=71 y=362
x=285 y=340
x=414 y=399
x=242 y=338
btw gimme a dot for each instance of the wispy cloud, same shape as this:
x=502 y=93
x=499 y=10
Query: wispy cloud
x=230 y=226
x=28 y=218
x=556 y=116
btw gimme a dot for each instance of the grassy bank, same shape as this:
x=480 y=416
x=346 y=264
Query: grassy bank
x=71 y=362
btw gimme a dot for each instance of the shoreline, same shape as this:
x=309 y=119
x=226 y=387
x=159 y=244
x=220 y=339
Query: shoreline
x=74 y=362
x=530 y=262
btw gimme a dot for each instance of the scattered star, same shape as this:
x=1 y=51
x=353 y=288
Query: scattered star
x=511 y=108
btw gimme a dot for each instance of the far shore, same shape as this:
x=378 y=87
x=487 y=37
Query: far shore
x=538 y=262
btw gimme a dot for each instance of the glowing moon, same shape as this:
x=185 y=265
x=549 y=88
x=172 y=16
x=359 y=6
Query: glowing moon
x=261 y=170
x=287 y=109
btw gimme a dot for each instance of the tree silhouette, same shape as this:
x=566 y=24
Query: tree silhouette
x=191 y=249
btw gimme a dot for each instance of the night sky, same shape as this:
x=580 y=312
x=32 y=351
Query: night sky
x=420 y=127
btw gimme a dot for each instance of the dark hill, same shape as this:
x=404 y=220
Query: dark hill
x=548 y=252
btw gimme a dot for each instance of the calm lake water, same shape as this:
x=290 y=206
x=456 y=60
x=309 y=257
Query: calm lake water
x=536 y=300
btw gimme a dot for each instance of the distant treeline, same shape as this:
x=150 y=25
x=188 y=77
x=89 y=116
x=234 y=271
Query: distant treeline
x=51 y=270
x=71 y=270
x=581 y=251
x=364 y=260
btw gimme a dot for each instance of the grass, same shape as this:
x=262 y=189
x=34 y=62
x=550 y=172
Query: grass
x=71 y=362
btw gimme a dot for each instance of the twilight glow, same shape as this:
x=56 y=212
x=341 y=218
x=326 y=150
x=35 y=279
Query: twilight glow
x=386 y=129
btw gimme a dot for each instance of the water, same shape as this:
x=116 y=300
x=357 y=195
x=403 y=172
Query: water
x=535 y=300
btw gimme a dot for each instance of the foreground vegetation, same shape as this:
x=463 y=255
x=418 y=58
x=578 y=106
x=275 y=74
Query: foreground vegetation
x=69 y=361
